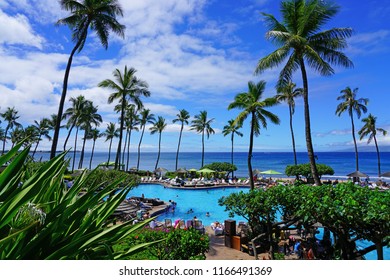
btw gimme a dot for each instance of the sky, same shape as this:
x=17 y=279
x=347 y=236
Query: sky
x=194 y=55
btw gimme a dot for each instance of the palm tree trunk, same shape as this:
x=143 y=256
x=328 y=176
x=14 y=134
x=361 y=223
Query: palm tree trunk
x=5 y=138
x=124 y=149
x=67 y=137
x=109 y=152
x=379 y=159
x=292 y=135
x=118 y=153
x=93 y=150
x=128 y=151
x=252 y=183
x=202 y=148
x=309 y=143
x=178 y=146
x=74 y=151
x=354 y=142
x=139 y=146
x=232 y=152
x=36 y=146
x=159 y=150
x=63 y=96
x=82 y=150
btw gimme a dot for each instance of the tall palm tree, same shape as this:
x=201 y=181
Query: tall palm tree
x=100 y=17
x=10 y=116
x=89 y=118
x=127 y=87
x=145 y=118
x=369 y=129
x=352 y=105
x=232 y=128
x=158 y=127
x=131 y=123
x=253 y=106
x=43 y=129
x=110 y=133
x=288 y=93
x=93 y=134
x=18 y=134
x=202 y=125
x=301 y=41
x=73 y=114
x=182 y=117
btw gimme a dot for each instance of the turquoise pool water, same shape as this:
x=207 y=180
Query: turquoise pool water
x=202 y=201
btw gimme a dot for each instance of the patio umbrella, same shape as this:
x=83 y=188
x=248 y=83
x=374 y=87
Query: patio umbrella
x=386 y=174
x=160 y=170
x=192 y=170
x=181 y=170
x=206 y=170
x=357 y=174
x=270 y=172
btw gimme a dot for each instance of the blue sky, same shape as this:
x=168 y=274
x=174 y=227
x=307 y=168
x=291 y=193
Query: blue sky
x=195 y=55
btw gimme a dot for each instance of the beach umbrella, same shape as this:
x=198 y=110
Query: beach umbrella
x=206 y=170
x=181 y=170
x=386 y=174
x=192 y=170
x=270 y=172
x=160 y=170
x=357 y=174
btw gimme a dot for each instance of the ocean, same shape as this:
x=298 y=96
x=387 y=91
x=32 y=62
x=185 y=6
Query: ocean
x=342 y=163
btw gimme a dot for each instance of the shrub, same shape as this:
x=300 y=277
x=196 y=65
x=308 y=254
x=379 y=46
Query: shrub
x=177 y=244
x=41 y=219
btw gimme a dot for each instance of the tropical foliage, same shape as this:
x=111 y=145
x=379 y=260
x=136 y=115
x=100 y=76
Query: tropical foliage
x=352 y=105
x=301 y=42
x=305 y=170
x=253 y=107
x=100 y=17
x=349 y=211
x=177 y=244
x=41 y=219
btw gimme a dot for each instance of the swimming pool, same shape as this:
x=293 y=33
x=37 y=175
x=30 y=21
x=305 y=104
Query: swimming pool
x=202 y=201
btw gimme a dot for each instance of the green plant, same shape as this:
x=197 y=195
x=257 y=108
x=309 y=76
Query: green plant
x=305 y=170
x=41 y=219
x=178 y=244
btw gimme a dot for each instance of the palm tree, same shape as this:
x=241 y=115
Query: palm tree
x=232 y=128
x=18 y=134
x=52 y=122
x=146 y=117
x=43 y=130
x=110 y=133
x=131 y=123
x=253 y=106
x=158 y=126
x=352 y=105
x=10 y=116
x=127 y=87
x=93 y=134
x=288 y=93
x=369 y=129
x=97 y=15
x=90 y=117
x=73 y=113
x=182 y=117
x=300 y=41
x=201 y=124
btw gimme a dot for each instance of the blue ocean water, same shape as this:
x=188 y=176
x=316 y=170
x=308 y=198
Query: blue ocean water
x=343 y=163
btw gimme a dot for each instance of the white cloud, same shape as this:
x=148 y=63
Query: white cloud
x=368 y=43
x=17 y=30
